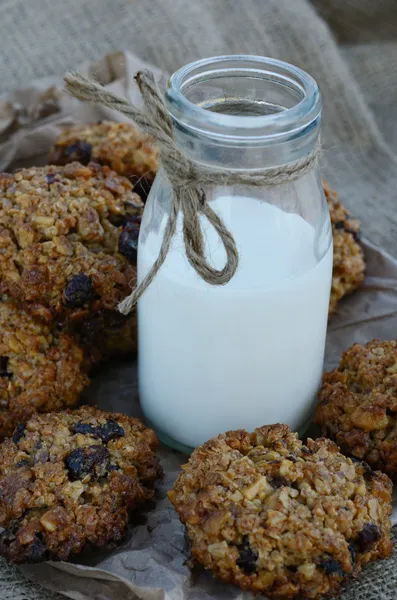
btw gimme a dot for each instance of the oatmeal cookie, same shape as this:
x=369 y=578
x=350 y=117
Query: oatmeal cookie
x=358 y=404
x=68 y=240
x=41 y=369
x=121 y=146
x=277 y=517
x=70 y=479
x=349 y=265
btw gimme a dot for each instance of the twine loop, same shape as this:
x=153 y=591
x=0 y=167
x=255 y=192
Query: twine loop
x=186 y=179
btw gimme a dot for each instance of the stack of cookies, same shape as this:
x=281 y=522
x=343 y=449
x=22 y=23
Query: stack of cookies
x=68 y=246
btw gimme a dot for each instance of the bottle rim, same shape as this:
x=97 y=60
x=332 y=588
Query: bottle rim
x=293 y=121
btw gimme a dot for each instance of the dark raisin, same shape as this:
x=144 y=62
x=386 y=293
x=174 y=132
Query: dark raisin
x=50 y=178
x=78 y=464
x=247 y=557
x=92 y=461
x=110 y=431
x=19 y=433
x=105 y=432
x=80 y=151
x=113 y=468
x=353 y=555
x=78 y=291
x=128 y=242
x=278 y=482
x=22 y=463
x=339 y=225
x=331 y=566
x=84 y=428
x=368 y=536
x=3 y=367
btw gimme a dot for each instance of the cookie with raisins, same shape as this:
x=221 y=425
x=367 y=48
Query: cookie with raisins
x=68 y=239
x=274 y=516
x=71 y=479
x=121 y=146
x=60 y=230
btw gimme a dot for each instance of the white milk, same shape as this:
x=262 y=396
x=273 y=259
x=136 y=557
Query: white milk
x=250 y=353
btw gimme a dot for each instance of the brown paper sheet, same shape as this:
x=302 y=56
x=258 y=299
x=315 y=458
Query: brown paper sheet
x=33 y=116
x=150 y=563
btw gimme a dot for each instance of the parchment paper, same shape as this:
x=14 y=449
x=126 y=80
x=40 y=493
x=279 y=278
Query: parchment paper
x=150 y=565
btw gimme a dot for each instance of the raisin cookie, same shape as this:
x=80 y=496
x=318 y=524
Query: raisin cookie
x=41 y=369
x=121 y=146
x=60 y=232
x=358 y=404
x=70 y=479
x=277 y=517
x=68 y=241
x=349 y=264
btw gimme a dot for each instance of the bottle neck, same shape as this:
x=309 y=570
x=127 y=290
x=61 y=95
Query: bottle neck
x=235 y=153
x=244 y=112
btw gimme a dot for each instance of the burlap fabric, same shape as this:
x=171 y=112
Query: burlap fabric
x=349 y=46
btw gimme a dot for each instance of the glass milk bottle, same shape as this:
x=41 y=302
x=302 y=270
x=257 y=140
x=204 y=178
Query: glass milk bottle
x=249 y=353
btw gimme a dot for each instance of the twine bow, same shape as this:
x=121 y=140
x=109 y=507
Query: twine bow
x=187 y=181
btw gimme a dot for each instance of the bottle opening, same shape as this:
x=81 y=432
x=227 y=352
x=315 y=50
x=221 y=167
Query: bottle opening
x=244 y=96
